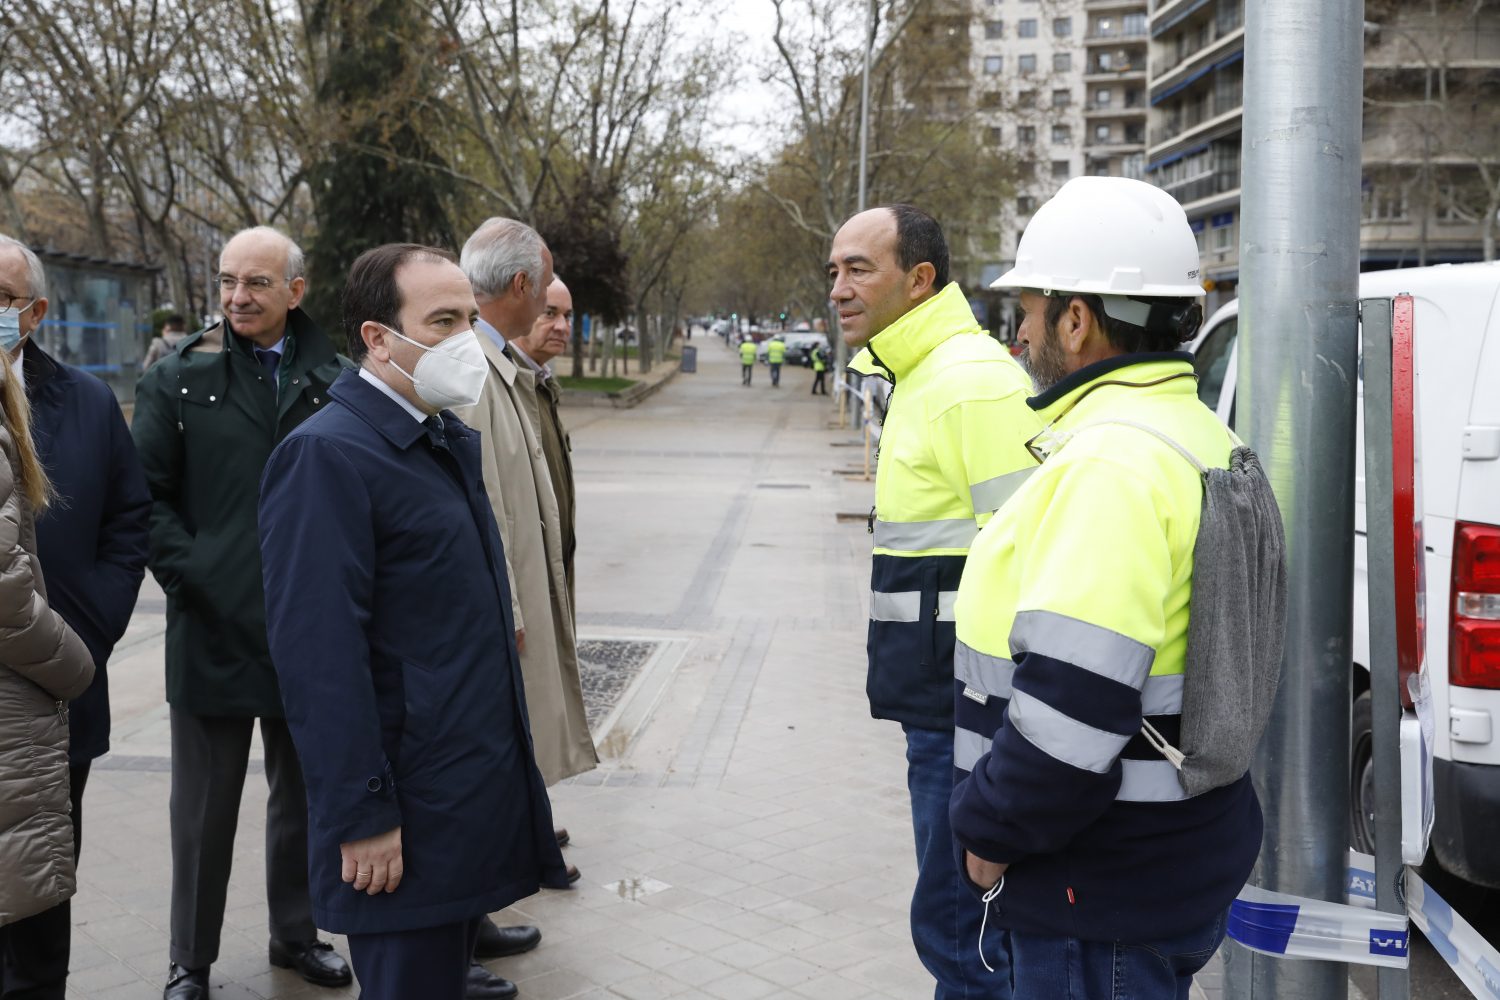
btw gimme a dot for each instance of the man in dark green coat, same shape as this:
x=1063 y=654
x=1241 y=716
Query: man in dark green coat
x=206 y=420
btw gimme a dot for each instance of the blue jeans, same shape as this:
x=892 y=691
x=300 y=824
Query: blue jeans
x=1059 y=968
x=945 y=914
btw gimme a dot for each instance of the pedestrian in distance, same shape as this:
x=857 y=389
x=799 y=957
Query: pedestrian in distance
x=44 y=664
x=820 y=370
x=173 y=332
x=747 y=360
x=206 y=419
x=510 y=269
x=1111 y=869
x=428 y=811
x=952 y=450
x=775 y=358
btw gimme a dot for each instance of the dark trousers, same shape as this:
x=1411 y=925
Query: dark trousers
x=820 y=383
x=745 y=372
x=432 y=963
x=775 y=374
x=209 y=757
x=34 y=952
x=946 y=917
x=1073 y=969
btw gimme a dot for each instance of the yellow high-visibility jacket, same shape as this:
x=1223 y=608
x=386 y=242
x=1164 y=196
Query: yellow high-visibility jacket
x=1072 y=630
x=951 y=452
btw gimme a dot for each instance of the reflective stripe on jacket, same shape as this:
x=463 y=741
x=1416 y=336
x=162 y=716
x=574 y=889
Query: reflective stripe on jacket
x=1072 y=629
x=951 y=452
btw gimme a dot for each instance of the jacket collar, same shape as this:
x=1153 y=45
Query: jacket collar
x=39 y=367
x=1073 y=402
x=895 y=352
x=490 y=339
x=377 y=409
x=1144 y=367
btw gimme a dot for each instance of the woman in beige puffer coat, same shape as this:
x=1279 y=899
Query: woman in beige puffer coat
x=43 y=665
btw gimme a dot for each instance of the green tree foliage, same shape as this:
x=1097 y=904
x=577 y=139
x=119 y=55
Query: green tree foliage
x=379 y=179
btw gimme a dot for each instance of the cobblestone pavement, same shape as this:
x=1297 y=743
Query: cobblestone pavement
x=747 y=835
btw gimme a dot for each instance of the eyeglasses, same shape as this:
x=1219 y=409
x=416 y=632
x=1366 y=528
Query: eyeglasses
x=228 y=283
x=20 y=303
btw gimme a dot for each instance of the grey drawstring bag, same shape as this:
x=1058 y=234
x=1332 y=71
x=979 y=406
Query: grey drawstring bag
x=1236 y=621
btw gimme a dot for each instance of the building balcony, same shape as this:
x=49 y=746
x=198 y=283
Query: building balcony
x=1114 y=146
x=1188 y=130
x=1117 y=72
x=1207 y=192
x=1129 y=6
x=1117 y=35
x=1111 y=111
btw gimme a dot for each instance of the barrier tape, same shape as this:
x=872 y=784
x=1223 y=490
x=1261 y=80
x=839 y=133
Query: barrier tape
x=1286 y=926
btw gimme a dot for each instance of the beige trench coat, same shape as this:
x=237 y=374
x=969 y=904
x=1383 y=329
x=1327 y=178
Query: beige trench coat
x=520 y=491
x=43 y=665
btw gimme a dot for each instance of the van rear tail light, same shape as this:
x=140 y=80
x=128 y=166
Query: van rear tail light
x=1474 y=647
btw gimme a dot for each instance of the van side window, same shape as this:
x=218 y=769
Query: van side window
x=1212 y=361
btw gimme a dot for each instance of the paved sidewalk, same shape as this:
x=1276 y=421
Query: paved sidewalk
x=748 y=835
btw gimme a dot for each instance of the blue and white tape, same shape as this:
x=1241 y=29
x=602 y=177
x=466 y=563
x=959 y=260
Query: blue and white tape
x=1285 y=926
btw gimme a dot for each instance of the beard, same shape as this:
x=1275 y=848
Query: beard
x=1045 y=361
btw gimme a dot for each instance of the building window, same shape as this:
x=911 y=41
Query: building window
x=1060 y=170
x=1135 y=24
x=1101 y=133
x=1223 y=231
x=992 y=100
x=1027 y=28
x=1105 y=62
x=1062 y=98
x=1025 y=204
x=1102 y=98
x=996 y=135
x=1026 y=135
x=1385 y=204
x=953 y=103
x=1062 y=62
x=1062 y=135
x=994 y=64
x=1026 y=169
x=1026 y=99
x=1062 y=27
x=994 y=29
x=1026 y=64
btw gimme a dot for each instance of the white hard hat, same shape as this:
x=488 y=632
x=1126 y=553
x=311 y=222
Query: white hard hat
x=1108 y=236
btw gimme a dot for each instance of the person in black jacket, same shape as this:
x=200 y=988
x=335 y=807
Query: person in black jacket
x=92 y=547
x=206 y=419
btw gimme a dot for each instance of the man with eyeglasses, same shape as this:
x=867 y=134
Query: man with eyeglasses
x=206 y=420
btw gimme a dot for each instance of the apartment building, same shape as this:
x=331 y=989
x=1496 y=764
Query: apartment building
x=1114 y=78
x=1028 y=61
x=1432 y=115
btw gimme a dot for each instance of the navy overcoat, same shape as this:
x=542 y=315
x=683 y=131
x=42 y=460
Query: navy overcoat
x=389 y=618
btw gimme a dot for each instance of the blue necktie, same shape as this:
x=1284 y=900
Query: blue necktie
x=269 y=360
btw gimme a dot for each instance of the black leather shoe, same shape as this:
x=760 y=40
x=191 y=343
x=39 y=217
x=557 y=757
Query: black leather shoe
x=498 y=942
x=186 y=984
x=485 y=985
x=315 y=961
x=562 y=836
x=566 y=882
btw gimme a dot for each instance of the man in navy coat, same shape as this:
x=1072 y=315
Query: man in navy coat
x=390 y=627
x=92 y=547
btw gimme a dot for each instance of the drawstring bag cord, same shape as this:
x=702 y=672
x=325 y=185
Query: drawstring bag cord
x=989 y=897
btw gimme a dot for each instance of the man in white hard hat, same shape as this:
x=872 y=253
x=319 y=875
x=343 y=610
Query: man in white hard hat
x=1072 y=621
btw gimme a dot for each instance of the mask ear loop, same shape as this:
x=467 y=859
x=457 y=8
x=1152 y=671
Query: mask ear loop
x=989 y=897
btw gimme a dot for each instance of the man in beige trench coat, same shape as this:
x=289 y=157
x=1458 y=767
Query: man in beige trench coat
x=509 y=268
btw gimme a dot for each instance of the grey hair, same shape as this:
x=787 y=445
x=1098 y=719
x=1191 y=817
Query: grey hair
x=296 y=261
x=499 y=250
x=36 y=275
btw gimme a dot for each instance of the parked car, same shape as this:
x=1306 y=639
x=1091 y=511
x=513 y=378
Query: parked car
x=1457 y=335
x=799 y=347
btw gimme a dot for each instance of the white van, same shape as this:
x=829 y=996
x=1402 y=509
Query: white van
x=1457 y=336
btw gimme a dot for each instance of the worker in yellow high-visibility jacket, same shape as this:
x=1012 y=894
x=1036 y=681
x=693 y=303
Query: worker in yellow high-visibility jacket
x=747 y=360
x=1073 y=620
x=951 y=452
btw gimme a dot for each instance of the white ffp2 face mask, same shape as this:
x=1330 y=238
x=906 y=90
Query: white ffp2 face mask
x=450 y=374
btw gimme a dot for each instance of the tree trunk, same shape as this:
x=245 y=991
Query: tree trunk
x=595 y=336
x=577 y=346
x=643 y=340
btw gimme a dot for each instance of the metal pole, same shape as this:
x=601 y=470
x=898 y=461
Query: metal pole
x=840 y=349
x=1385 y=683
x=1299 y=268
